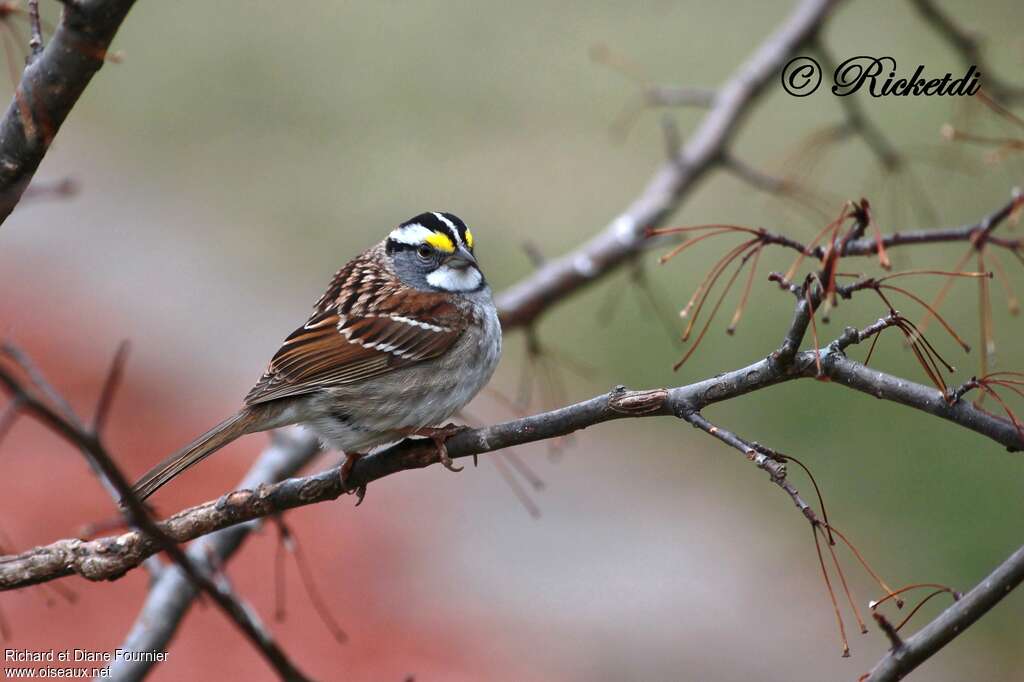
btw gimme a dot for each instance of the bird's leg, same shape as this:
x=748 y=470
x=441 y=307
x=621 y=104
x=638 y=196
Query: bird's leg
x=346 y=468
x=439 y=436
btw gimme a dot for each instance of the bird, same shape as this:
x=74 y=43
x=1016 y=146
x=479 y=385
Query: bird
x=406 y=335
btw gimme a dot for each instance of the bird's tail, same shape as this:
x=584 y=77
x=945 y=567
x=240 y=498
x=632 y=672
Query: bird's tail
x=246 y=421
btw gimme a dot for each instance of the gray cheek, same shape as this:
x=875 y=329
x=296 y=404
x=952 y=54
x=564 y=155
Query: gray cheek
x=411 y=270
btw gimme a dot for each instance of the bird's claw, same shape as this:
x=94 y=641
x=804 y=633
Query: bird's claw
x=439 y=436
x=346 y=468
x=446 y=460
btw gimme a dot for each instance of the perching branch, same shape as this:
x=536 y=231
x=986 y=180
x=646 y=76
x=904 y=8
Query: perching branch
x=50 y=86
x=109 y=558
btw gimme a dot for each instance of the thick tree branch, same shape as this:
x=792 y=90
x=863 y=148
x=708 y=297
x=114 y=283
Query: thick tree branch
x=678 y=96
x=50 y=86
x=928 y=399
x=915 y=650
x=556 y=280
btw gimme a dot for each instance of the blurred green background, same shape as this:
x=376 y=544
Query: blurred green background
x=243 y=151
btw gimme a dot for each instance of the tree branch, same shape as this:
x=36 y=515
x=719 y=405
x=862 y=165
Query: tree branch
x=968 y=47
x=858 y=122
x=172 y=593
x=35 y=43
x=762 y=457
x=556 y=280
x=56 y=77
x=915 y=650
x=50 y=86
x=869 y=246
x=110 y=557
x=89 y=444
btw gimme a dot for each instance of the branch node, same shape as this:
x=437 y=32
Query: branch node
x=894 y=637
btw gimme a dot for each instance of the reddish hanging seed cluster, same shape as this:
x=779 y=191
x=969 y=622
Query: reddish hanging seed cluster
x=825 y=531
x=829 y=255
x=988 y=385
x=821 y=290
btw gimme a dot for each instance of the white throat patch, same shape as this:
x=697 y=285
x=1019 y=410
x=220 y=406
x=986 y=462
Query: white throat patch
x=451 y=279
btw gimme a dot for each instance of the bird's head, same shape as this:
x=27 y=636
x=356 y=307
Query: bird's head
x=434 y=252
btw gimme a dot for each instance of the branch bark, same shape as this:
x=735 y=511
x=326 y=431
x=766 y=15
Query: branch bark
x=556 y=280
x=968 y=47
x=172 y=593
x=900 y=661
x=89 y=444
x=110 y=557
x=50 y=86
x=57 y=76
x=869 y=245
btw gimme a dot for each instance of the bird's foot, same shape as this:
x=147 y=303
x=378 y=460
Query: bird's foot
x=439 y=436
x=346 y=468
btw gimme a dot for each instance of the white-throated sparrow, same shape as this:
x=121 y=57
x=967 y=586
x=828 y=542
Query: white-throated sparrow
x=404 y=337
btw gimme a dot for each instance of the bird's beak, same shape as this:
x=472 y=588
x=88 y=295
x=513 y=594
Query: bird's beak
x=461 y=259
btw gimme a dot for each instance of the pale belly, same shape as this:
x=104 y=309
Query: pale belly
x=358 y=417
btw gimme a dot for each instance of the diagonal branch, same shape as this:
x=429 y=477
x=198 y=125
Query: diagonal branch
x=90 y=445
x=762 y=457
x=968 y=47
x=50 y=86
x=857 y=121
x=556 y=280
x=915 y=650
x=172 y=593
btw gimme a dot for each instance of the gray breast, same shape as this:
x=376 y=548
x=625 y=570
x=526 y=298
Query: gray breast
x=426 y=394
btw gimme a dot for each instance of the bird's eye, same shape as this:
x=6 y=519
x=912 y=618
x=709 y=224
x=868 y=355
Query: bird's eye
x=424 y=252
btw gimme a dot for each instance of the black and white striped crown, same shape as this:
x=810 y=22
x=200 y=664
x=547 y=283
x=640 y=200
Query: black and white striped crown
x=444 y=231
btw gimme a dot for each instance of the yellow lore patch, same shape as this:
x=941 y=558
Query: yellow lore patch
x=469 y=238
x=441 y=242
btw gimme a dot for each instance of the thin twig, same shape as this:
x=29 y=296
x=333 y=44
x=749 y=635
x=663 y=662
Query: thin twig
x=110 y=386
x=35 y=43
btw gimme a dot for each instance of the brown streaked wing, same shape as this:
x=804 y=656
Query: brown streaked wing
x=331 y=349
